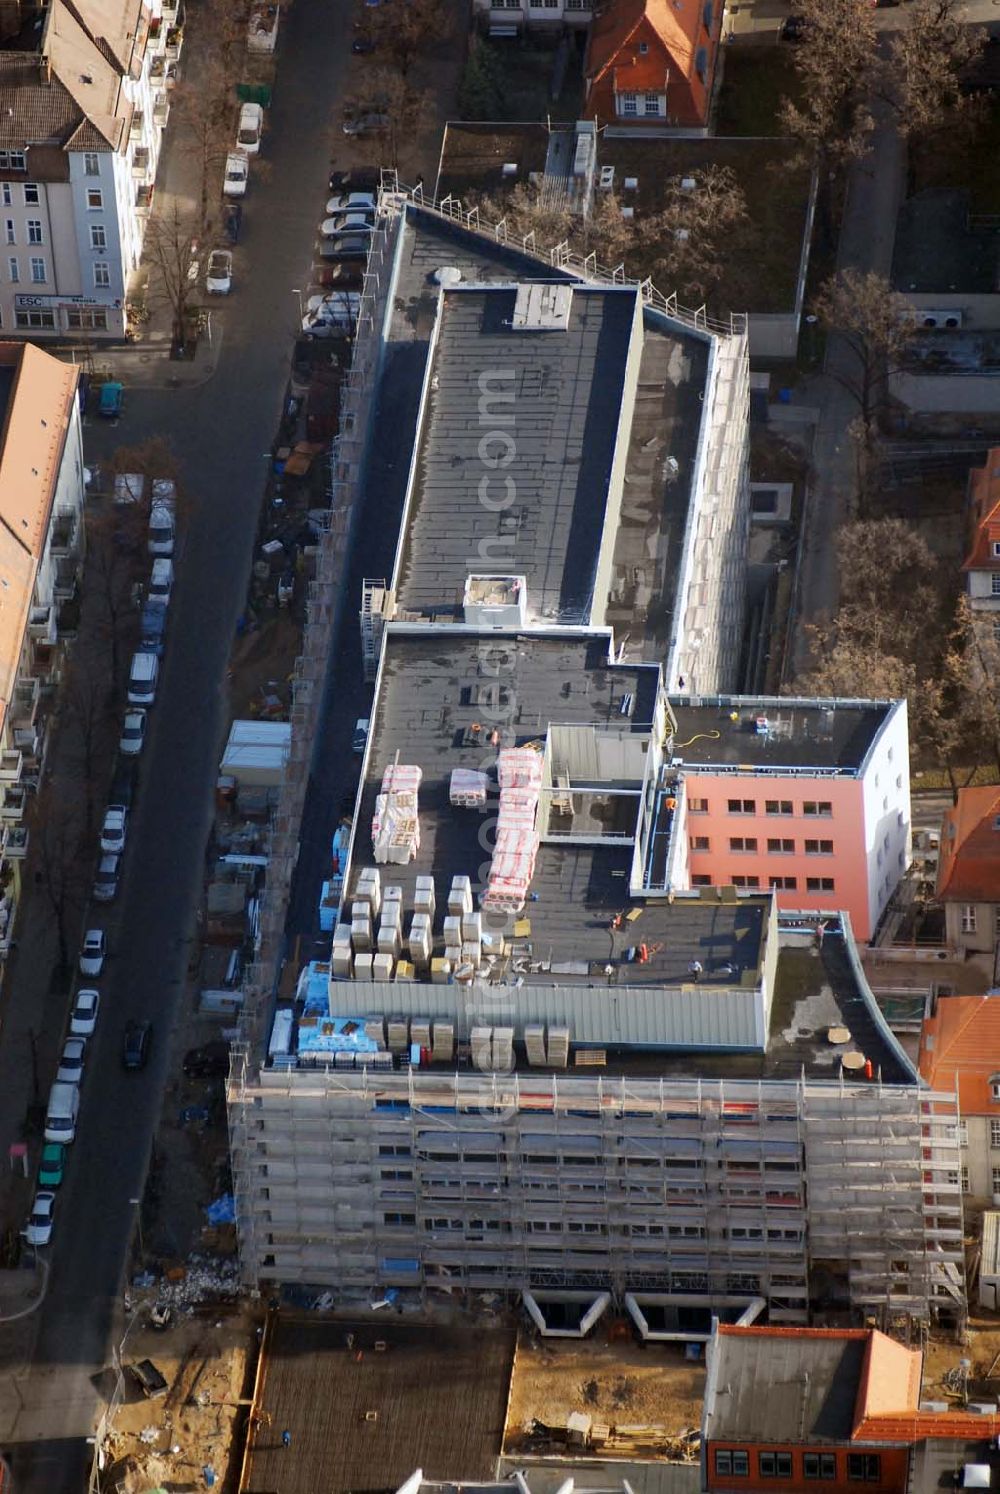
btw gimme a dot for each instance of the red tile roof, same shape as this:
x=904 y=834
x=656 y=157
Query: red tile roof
x=969 y=858
x=984 y=505
x=617 y=30
x=961 y=1042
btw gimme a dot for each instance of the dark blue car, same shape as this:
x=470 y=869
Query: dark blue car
x=154 y=627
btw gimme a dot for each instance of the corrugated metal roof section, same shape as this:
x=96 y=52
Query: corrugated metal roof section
x=990 y=1259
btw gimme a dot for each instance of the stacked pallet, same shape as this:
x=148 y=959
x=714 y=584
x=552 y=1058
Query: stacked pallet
x=519 y=770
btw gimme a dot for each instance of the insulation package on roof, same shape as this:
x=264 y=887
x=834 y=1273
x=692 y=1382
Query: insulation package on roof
x=395 y=825
x=467 y=789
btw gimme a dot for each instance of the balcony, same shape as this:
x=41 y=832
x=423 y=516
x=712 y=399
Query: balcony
x=11 y=765
x=138 y=125
x=62 y=539
x=30 y=741
x=14 y=845
x=175 y=41
x=141 y=164
x=161 y=110
x=144 y=200
x=64 y=586
x=158 y=67
x=24 y=705
x=15 y=796
x=42 y=624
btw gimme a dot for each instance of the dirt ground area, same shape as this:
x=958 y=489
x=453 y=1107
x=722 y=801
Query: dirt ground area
x=262 y=662
x=617 y=1381
x=942 y=1354
x=208 y=1360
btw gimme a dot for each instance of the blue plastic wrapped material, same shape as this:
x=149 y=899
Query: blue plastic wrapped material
x=222 y=1210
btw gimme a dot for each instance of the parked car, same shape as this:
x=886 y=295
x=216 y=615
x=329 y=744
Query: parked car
x=356 y=179
x=109 y=403
x=219 y=278
x=337 y=223
x=237 y=174
x=135 y=1046
x=352 y=202
x=133 y=733
x=232 y=219
x=70 y=1070
x=106 y=878
x=348 y=246
x=345 y=276
x=114 y=829
x=52 y=1167
x=143 y=675
x=38 y=1230
x=83 y=1018
x=251 y=127
x=152 y=629
x=210 y=1061
x=161 y=528
x=123 y=785
x=161 y=581
x=95 y=947
x=365 y=124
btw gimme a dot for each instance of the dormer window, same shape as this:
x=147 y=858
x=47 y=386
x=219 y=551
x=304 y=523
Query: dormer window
x=643 y=49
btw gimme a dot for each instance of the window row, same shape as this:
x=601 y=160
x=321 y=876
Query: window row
x=779 y=884
x=13 y=160
x=38 y=268
x=30 y=194
x=861 y=1467
x=776 y=845
x=812 y=808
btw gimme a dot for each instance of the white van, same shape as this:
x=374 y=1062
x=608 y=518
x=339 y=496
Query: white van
x=142 y=678
x=60 y=1117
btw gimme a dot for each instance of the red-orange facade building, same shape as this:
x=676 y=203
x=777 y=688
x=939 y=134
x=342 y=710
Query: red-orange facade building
x=652 y=61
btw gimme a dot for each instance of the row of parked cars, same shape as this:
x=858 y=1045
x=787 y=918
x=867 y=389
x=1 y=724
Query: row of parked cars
x=341 y=252
x=63 y=1107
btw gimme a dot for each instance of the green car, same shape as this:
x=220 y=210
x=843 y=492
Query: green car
x=50 y=1169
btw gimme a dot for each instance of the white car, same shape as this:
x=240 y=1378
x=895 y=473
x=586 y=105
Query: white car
x=219 y=278
x=133 y=733
x=38 y=1230
x=352 y=202
x=332 y=228
x=114 y=829
x=353 y=218
x=83 y=1018
x=105 y=888
x=70 y=1070
x=92 y=954
x=161 y=581
x=250 y=129
x=237 y=174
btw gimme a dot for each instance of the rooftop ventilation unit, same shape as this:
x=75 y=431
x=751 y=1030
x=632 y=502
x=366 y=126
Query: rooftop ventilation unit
x=584 y=152
x=947 y=320
x=606 y=181
x=628 y=213
x=509 y=168
x=631 y=183
x=542 y=308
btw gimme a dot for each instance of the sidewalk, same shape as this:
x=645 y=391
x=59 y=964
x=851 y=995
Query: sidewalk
x=146 y=363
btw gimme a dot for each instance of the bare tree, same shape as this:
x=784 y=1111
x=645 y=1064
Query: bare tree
x=87 y=700
x=877 y=328
x=689 y=244
x=402 y=33
x=57 y=836
x=400 y=105
x=924 y=62
x=172 y=250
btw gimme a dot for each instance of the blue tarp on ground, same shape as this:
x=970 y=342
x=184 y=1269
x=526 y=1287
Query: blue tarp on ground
x=222 y=1210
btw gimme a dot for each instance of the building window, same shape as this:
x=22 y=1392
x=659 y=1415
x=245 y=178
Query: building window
x=777 y=806
x=35 y=231
x=774 y=1464
x=864 y=1467
x=995 y=583
x=95 y=199
x=14 y=269
x=818 y=807
x=819 y=884
x=968 y=909
x=102 y=272
x=732 y=1461
x=628 y=103
x=744 y=843
x=778 y=847
x=13 y=160
x=819 y=1465
x=653 y=105
x=7 y=195
x=784 y=884
x=36 y=321
x=701 y=881
x=90 y=319
x=819 y=847
x=31 y=196
x=740 y=880
x=38 y=274
x=98 y=237
x=11 y=235
x=742 y=806
x=91 y=163
x=995 y=1133
x=697 y=806
x=964 y=1174
x=995 y=1175
x=962 y=1133
x=698 y=842
x=395 y=1218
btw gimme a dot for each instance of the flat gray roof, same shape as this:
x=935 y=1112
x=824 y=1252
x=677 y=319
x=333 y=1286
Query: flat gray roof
x=785 y=1389
x=800 y=734
x=555 y=398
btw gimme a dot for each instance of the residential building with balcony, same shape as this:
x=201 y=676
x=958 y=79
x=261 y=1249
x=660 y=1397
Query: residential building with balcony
x=41 y=541
x=79 y=144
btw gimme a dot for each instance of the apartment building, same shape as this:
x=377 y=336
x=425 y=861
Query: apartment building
x=840 y=1408
x=509 y=17
x=968 y=879
x=982 y=562
x=960 y=1046
x=88 y=99
x=537 y=1060
x=41 y=540
x=808 y=797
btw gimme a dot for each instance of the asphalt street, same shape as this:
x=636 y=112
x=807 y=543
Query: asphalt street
x=220 y=433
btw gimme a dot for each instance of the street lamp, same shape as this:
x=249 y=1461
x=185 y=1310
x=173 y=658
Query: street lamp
x=297 y=292
x=136 y=1203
